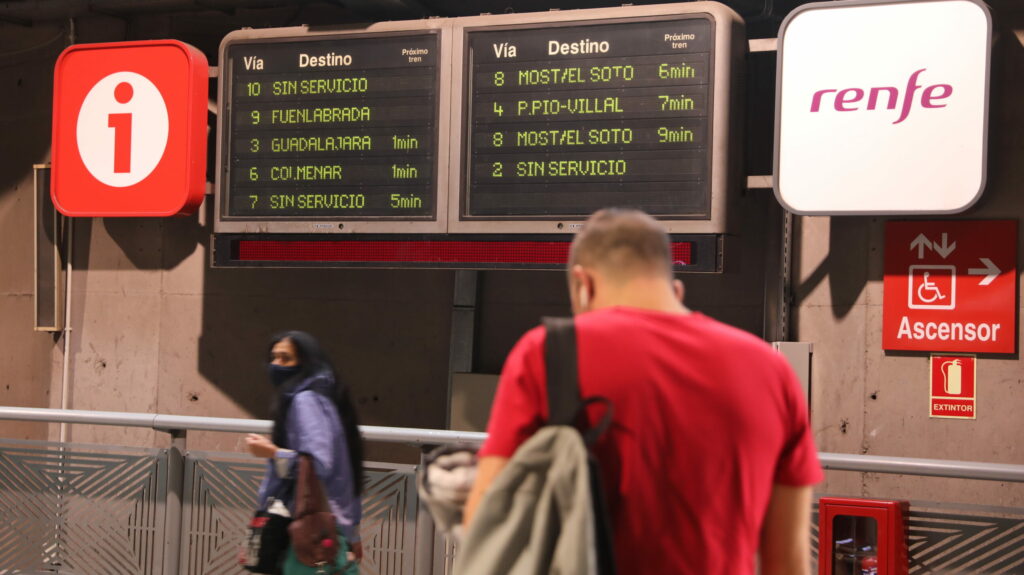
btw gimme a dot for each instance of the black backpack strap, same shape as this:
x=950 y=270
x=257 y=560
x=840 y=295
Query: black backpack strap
x=591 y=435
x=560 y=360
x=564 y=407
x=565 y=402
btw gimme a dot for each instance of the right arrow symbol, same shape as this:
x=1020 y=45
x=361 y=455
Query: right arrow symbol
x=990 y=271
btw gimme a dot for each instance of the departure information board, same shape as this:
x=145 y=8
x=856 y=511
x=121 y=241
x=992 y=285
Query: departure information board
x=564 y=119
x=342 y=127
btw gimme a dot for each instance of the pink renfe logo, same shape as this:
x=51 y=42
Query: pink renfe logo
x=849 y=99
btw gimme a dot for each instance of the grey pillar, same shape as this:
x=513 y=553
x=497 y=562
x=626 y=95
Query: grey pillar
x=460 y=348
x=460 y=360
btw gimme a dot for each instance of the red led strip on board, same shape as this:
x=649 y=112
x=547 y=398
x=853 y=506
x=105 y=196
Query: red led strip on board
x=449 y=252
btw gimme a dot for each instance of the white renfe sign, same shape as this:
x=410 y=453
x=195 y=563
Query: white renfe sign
x=882 y=107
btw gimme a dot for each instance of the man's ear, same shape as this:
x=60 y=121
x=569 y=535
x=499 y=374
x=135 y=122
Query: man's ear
x=581 y=289
x=677 y=288
x=577 y=273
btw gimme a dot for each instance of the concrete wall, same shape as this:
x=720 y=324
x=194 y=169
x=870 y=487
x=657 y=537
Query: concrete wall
x=28 y=359
x=868 y=401
x=156 y=329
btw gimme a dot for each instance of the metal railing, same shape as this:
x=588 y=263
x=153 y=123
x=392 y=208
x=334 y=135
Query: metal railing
x=173 y=423
x=924 y=467
x=179 y=472
x=175 y=471
x=415 y=436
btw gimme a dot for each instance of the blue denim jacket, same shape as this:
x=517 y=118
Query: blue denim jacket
x=313 y=427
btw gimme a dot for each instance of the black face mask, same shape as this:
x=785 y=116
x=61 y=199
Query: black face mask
x=281 y=373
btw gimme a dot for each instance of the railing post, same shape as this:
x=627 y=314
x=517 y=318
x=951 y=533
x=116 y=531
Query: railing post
x=173 y=507
x=423 y=553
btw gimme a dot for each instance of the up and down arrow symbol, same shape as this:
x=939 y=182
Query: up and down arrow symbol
x=922 y=243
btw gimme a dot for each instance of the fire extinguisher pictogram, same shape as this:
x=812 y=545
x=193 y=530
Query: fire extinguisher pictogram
x=952 y=377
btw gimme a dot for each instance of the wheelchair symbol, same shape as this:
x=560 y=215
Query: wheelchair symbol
x=928 y=287
x=932 y=287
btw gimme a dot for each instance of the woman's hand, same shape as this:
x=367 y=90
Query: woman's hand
x=356 y=551
x=260 y=446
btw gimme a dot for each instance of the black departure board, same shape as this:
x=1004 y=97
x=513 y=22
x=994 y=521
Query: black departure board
x=564 y=119
x=339 y=127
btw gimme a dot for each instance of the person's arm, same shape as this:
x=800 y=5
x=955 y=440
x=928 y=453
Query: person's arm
x=319 y=434
x=487 y=468
x=519 y=409
x=785 y=533
x=260 y=446
x=313 y=433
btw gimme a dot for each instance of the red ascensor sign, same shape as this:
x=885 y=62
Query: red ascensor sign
x=950 y=286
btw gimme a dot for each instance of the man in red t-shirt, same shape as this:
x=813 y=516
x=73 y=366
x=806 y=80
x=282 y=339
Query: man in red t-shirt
x=709 y=459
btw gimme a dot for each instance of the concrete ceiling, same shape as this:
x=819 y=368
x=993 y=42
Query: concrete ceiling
x=29 y=12
x=205 y=21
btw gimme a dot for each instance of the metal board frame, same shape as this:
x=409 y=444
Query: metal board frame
x=47 y=255
x=327 y=224
x=730 y=48
x=707 y=251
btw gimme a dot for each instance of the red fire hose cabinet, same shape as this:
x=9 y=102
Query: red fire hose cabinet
x=862 y=537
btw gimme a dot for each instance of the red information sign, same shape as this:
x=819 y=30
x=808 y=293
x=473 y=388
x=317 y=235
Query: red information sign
x=953 y=386
x=129 y=129
x=950 y=286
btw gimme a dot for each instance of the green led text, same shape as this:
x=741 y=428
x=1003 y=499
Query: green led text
x=406 y=172
x=404 y=143
x=324 y=115
x=676 y=72
x=572 y=106
x=573 y=137
x=310 y=173
x=569 y=168
x=319 y=144
x=398 y=201
x=673 y=104
x=674 y=136
x=320 y=86
x=317 y=201
x=594 y=74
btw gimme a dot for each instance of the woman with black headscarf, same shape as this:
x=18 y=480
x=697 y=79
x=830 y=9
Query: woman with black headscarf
x=313 y=414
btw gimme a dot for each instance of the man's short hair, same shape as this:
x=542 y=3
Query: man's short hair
x=622 y=243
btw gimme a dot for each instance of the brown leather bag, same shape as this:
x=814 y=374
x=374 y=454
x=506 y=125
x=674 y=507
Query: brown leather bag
x=313 y=531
